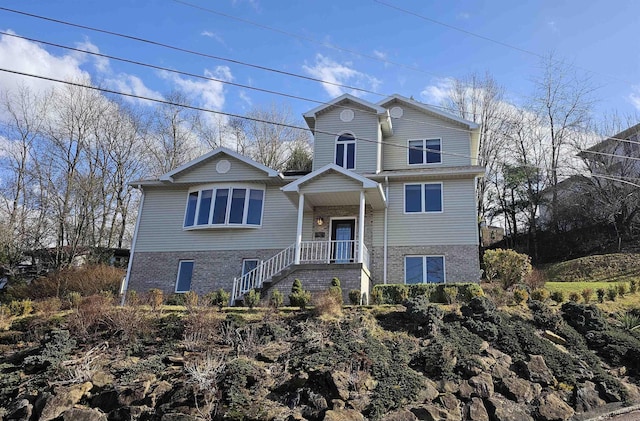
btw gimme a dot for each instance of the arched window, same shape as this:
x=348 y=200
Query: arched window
x=346 y=151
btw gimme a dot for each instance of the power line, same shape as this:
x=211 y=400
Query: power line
x=495 y=41
x=305 y=38
x=208 y=78
x=232 y=61
x=193 y=52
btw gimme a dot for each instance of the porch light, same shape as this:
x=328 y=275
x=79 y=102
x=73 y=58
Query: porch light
x=319 y=221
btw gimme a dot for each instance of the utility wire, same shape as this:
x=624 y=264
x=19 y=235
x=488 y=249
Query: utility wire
x=485 y=38
x=208 y=78
x=229 y=60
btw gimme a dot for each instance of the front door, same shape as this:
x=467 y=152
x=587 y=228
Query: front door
x=342 y=236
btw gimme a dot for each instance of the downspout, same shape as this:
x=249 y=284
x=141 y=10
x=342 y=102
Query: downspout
x=384 y=246
x=125 y=282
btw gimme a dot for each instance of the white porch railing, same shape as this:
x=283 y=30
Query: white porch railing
x=334 y=251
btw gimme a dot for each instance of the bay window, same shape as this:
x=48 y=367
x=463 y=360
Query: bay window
x=225 y=206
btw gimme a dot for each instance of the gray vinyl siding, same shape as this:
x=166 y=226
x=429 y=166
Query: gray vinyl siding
x=161 y=225
x=419 y=125
x=456 y=225
x=206 y=172
x=364 y=126
x=330 y=182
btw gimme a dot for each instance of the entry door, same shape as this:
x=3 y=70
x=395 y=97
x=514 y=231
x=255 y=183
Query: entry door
x=342 y=235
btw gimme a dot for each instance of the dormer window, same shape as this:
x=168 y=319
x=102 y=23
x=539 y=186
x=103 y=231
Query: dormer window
x=224 y=206
x=425 y=151
x=346 y=151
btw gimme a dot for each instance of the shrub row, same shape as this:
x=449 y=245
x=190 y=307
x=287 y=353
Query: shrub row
x=435 y=293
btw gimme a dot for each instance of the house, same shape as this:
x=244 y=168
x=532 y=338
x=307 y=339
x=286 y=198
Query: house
x=390 y=199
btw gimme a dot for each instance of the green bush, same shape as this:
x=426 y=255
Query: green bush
x=376 y=296
x=574 y=297
x=20 y=307
x=451 y=294
x=612 y=293
x=587 y=293
x=355 y=297
x=520 y=296
x=218 y=298
x=252 y=298
x=557 y=296
x=336 y=291
x=507 y=265
x=276 y=299
x=540 y=294
x=633 y=286
x=299 y=297
x=601 y=293
x=622 y=289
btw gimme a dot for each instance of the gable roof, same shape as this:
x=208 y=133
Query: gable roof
x=428 y=108
x=220 y=150
x=295 y=186
x=310 y=116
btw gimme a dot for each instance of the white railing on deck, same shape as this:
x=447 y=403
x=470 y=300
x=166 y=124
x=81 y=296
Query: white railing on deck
x=334 y=251
x=265 y=270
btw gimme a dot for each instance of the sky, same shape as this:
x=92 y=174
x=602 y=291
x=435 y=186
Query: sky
x=413 y=48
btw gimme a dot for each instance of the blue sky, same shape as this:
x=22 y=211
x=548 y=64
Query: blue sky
x=596 y=37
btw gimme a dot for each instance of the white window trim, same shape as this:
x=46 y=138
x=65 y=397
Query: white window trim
x=355 y=149
x=422 y=204
x=180 y=262
x=424 y=267
x=230 y=186
x=249 y=260
x=424 y=152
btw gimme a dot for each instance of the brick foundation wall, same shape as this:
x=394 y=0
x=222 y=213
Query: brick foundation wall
x=211 y=270
x=462 y=262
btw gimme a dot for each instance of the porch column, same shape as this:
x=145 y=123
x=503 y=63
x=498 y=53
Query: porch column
x=299 y=229
x=361 y=229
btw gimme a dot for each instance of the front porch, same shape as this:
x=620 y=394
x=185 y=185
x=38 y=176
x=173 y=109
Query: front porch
x=332 y=207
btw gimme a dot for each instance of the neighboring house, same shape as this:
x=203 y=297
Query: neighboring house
x=390 y=199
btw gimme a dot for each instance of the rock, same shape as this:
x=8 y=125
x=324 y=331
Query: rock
x=270 y=352
x=502 y=409
x=484 y=345
x=556 y=339
x=538 y=372
x=452 y=406
x=340 y=380
x=587 y=397
x=159 y=390
x=299 y=380
x=400 y=415
x=19 y=410
x=500 y=357
x=316 y=400
x=465 y=390
x=83 y=414
x=133 y=393
x=430 y=413
x=102 y=379
x=428 y=392
x=106 y=401
x=178 y=417
x=552 y=408
x=607 y=393
x=447 y=386
x=475 y=411
x=174 y=359
x=342 y=415
x=482 y=385
x=519 y=390
x=63 y=398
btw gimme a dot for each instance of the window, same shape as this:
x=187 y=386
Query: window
x=346 y=151
x=224 y=206
x=424 y=269
x=185 y=272
x=420 y=198
x=248 y=265
x=425 y=151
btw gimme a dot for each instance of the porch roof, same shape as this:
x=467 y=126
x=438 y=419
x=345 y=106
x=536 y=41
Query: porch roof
x=333 y=185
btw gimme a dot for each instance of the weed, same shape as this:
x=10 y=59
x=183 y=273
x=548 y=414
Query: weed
x=540 y=294
x=20 y=307
x=155 y=298
x=601 y=293
x=622 y=289
x=612 y=293
x=191 y=300
x=629 y=321
x=633 y=286
x=520 y=296
x=355 y=297
x=587 y=294
x=574 y=297
x=557 y=296
x=327 y=303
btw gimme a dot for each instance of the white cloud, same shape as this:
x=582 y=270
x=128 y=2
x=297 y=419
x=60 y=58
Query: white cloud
x=133 y=85
x=380 y=55
x=552 y=25
x=101 y=63
x=464 y=15
x=333 y=72
x=214 y=36
x=634 y=97
x=437 y=92
x=28 y=57
x=246 y=98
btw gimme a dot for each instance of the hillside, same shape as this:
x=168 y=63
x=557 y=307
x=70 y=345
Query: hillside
x=422 y=361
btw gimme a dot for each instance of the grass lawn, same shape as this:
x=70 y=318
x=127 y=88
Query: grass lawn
x=621 y=304
x=569 y=287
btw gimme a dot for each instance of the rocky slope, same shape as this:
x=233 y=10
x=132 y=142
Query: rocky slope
x=470 y=362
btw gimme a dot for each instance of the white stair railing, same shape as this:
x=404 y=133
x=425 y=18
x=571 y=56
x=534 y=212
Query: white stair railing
x=263 y=272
